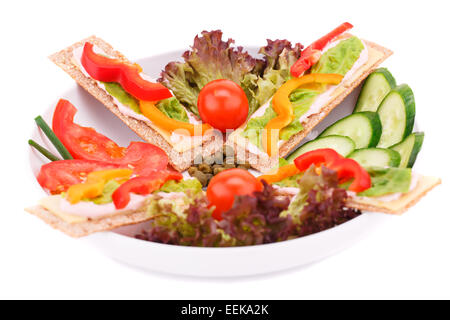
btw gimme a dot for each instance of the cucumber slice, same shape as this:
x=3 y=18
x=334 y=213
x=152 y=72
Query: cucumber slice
x=364 y=128
x=376 y=157
x=397 y=112
x=409 y=149
x=375 y=88
x=342 y=145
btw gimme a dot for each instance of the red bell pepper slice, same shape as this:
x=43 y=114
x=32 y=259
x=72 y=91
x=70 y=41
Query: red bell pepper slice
x=346 y=168
x=105 y=69
x=350 y=169
x=320 y=157
x=313 y=53
x=143 y=186
x=87 y=144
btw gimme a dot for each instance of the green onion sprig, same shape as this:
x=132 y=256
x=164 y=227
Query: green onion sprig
x=42 y=150
x=53 y=138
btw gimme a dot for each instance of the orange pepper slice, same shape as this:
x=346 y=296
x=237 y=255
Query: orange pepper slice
x=150 y=111
x=282 y=173
x=283 y=107
x=95 y=182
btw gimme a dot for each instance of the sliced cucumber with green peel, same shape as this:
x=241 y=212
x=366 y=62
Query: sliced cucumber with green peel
x=409 y=149
x=376 y=157
x=397 y=113
x=342 y=145
x=375 y=88
x=364 y=128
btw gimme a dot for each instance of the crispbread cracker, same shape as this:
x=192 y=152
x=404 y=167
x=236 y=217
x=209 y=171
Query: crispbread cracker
x=399 y=206
x=179 y=160
x=82 y=229
x=263 y=163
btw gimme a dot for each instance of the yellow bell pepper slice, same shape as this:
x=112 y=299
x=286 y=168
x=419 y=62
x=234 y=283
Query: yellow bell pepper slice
x=94 y=184
x=150 y=111
x=282 y=173
x=283 y=107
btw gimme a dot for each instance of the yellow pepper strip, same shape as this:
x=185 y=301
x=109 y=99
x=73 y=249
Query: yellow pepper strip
x=283 y=107
x=282 y=173
x=155 y=115
x=94 y=184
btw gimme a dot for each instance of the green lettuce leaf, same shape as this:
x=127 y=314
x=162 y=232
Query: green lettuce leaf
x=290 y=182
x=182 y=186
x=301 y=100
x=171 y=107
x=387 y=181
x=340 y=58
x=106 y=196
x=122 y=96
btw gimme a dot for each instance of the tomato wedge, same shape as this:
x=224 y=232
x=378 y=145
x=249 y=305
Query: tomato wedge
x=58 y=176
x=143 y=186
x=105 y=69
x=87 y=144
x=313 y=53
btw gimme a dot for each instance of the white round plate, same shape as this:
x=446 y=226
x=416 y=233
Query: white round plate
x=204 y=262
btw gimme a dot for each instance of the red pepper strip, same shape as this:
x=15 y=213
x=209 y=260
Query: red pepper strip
x=345 y=168
x=105 y=69
x=142 y=185
x=312 y=54
x=325 y=157
x=348 y=169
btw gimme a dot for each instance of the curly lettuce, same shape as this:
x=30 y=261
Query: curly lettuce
x=212 y=58
x=264 y=217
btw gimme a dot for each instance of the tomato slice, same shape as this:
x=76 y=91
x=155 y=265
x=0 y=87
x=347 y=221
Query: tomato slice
x=58 y=176
x=87 y=144
x=143 y=186
x=105 y=69
x=325 y=157
x=224 y=187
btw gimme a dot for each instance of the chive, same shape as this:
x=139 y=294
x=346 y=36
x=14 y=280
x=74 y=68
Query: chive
x=53 y=138
x=50 y=156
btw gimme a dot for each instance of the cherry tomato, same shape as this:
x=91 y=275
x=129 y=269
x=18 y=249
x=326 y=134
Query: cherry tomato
x=228 y=184
x=223 y=104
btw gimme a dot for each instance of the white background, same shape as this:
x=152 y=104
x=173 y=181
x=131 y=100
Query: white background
x=407 y=258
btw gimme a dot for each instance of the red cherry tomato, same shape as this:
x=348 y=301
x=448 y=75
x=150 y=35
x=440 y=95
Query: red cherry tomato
x=228 y=184
x=223 y=104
